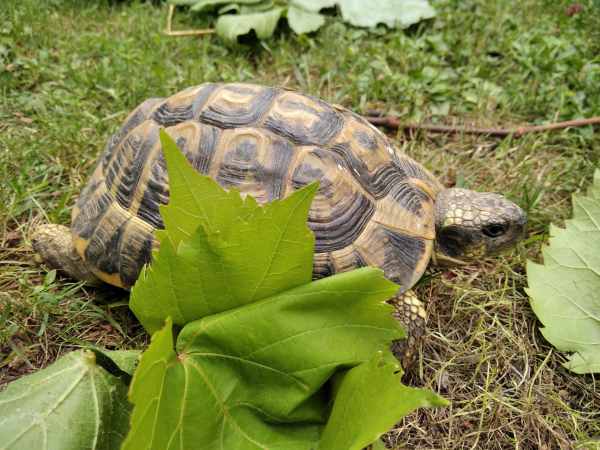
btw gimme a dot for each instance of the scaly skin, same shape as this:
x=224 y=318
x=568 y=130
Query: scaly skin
x=54 y=245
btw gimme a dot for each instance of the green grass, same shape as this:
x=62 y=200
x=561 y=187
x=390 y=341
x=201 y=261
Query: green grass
x=70 y=72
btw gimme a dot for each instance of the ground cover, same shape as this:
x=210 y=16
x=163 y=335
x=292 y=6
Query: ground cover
x=70 y=72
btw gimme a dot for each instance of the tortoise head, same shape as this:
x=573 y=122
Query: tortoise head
x=472 y=225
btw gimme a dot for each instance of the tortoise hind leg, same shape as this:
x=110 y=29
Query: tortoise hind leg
x=410 y=312
x=54 y=245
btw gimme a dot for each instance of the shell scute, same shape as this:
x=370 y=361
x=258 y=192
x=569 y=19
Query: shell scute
x=303 y=120
x=339 y=212
x=237 y=105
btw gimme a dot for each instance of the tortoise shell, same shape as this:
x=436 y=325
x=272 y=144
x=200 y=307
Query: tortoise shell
x=374 y=206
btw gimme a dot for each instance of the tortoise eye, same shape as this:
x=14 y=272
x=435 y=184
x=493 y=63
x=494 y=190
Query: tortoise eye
x=494 y=230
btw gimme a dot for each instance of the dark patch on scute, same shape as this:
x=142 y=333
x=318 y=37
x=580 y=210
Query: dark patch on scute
x=167 y=115
x=322 y=266
x=207 y=145
x=409 y=197
x=134 y=254
x=202 y=97
x=92 y=209
x=366 y=140
x=135 y=152
x=149 y=210
x=402 y=255
x=156 y=193
x=104 y=250
x=381 y=182
x=274 y=177
x=182 y=145
x=357 y=167
x=239 y=164
x=411 y=169
x=305 y=174
x=112 y=170
x=360 y=260
x=246 y=150
x=111 y=144
x=343 y=226
x=384 y=179
x=246 y=113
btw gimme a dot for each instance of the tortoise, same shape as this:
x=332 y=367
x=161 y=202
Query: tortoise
x=375 y=205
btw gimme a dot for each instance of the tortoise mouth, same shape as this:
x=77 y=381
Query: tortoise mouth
x=440 y=259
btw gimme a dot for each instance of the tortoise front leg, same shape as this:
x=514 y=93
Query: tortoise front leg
x=54 y=245
x=410 y=312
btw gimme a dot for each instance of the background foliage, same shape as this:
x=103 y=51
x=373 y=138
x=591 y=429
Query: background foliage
x=565 y=290
x=304 y=16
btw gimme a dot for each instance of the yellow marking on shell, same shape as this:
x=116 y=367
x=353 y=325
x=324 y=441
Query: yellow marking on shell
x=432 y=190
x=300 y=152
x=185 y=97
x=80 y=245
x=231 y=99
x=113 y=279
x=264 y=145
x=371 y=250
x=372 y=158
x=282 y=111
x=397 y=218
x=344 y=259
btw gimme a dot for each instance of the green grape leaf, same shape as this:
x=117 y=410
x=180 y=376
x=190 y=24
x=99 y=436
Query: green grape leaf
x=393 y=13
x=260 y=370
x=314 y=5
x=302 y=20
x=303 y=16
x=265 y=5
x=230 y=26
x=565 y=290
x=74 y=403
x=372 y=386
x=212 y=271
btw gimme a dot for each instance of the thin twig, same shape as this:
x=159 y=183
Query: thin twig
x=394 y=122
x=170 y=32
